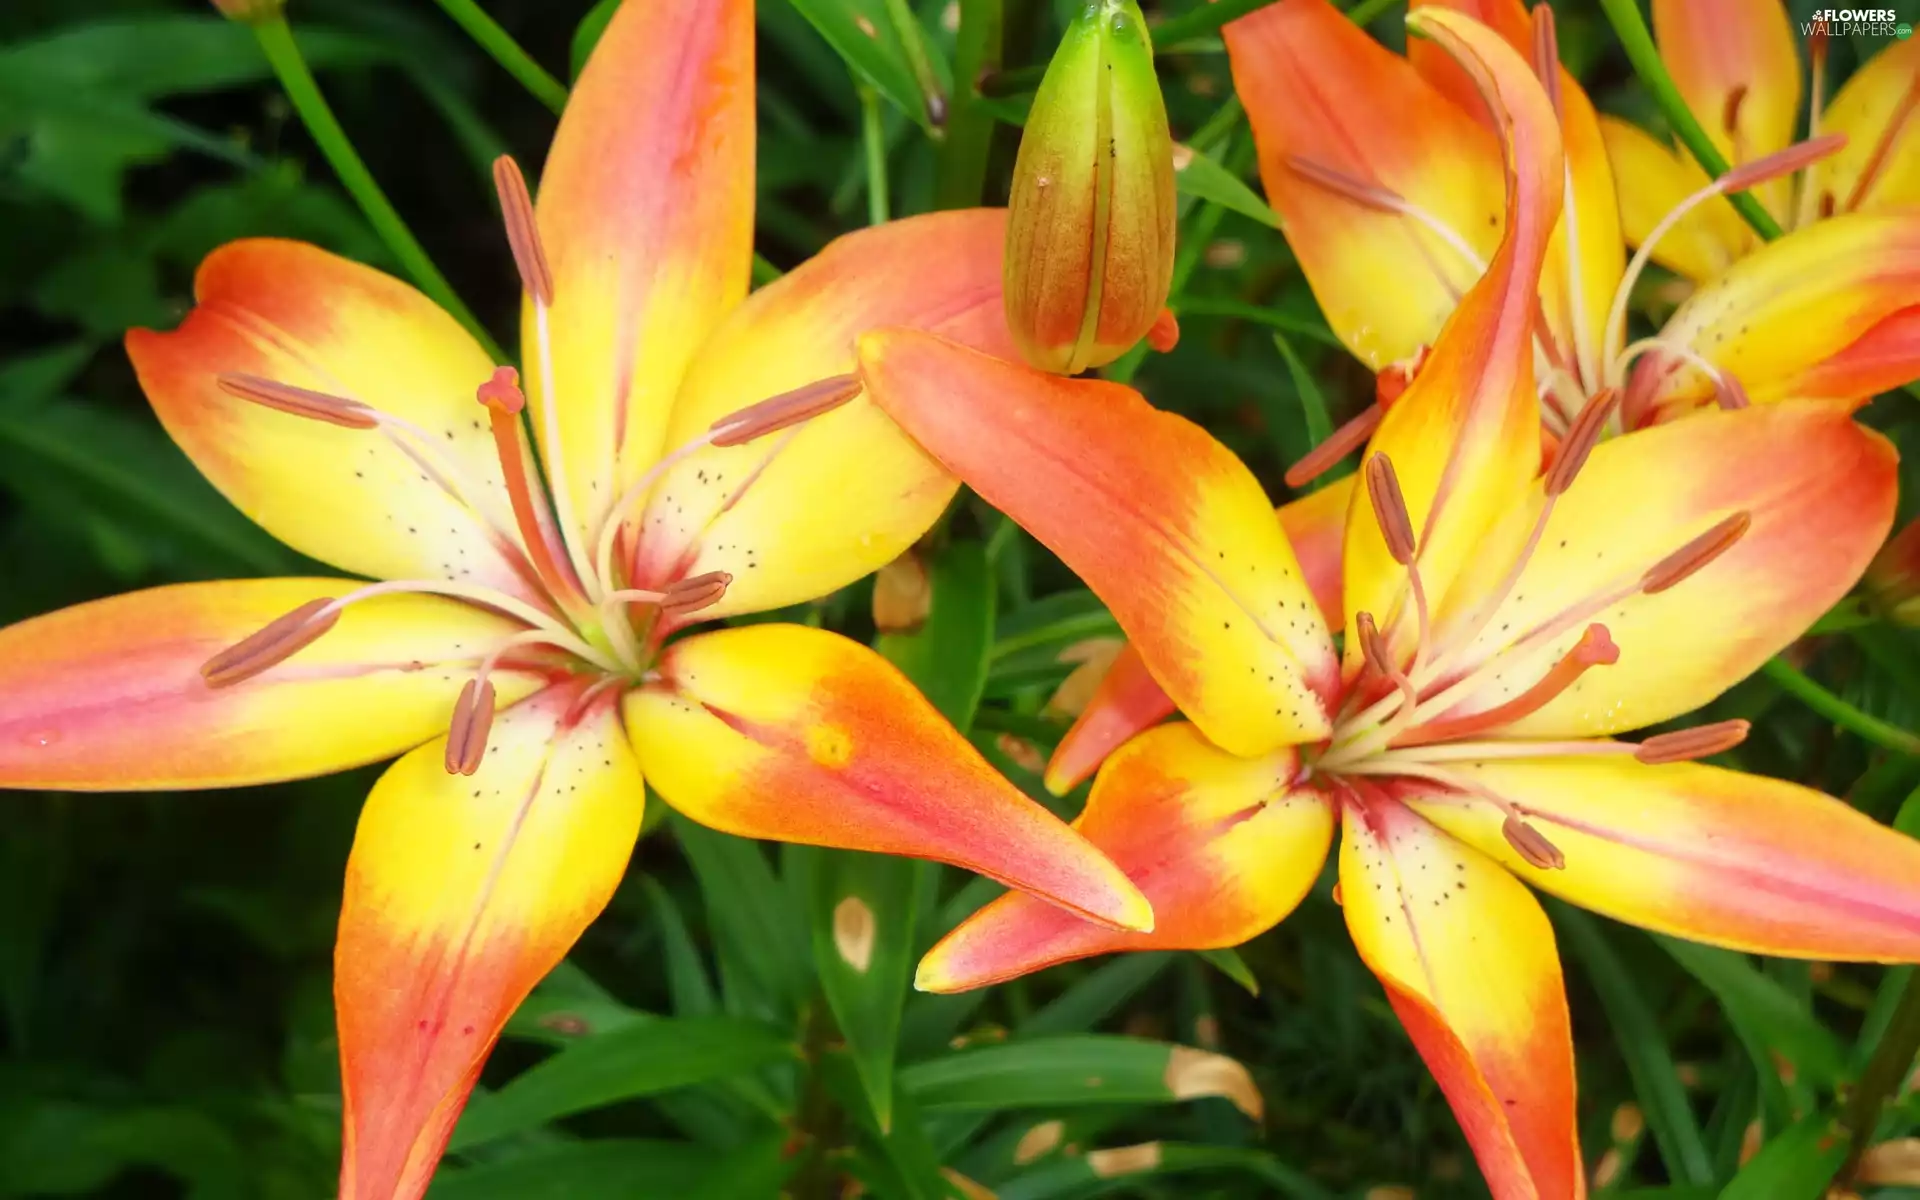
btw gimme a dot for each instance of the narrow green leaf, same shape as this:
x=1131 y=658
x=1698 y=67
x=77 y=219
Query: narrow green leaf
x=751 y=913
x=687 y=979
x=863 y=917
x=586 y=35
x=1098 y=995
x=1196 y=174
x=1786 y=1040
x=1079 y=1069
x=606 y=1170
x=1656 y=1082
x=1123 y=1168
x=754 y=1170
x=1797 y=1165
x=1229 y=963
x=866 y=35
x=1313 y=403
x=640 y=1060
x=947 y=656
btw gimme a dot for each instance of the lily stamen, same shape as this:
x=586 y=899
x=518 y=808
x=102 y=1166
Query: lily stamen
x=681 y=597
x=504 y=401
x=467 y=732
x=1546 y=55
x=523 y=233
x=1804 y=203
x=1343 y=441
x=549 y=627
x=298 y=401
x=271 y=644
x=1741 y=178
x=1883 y=148
x=1374 y=648
x=1696 y=554
x=1383 y=200
x=785 y=410
x=1594 y=649
x=1685 y=745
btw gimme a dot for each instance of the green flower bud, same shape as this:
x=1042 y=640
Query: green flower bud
x=1090 y=232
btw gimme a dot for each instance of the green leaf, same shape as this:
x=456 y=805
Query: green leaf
x=876 y=47
x=863 y=925
x=88 y=459
x=1797 y=1165
x=1786 y=1041
x=752 y=917
x=1082 y=1069
x=1313 y=404
x=687 y=979
x=586 y=35
x=947 y=656
x=640 y=1060
x=1196 y=174
x=1656 y=1081
x=1097 y=995
x=748 y=1172
x=1121 y=1168
x=605 y=1170
x=1229 y=963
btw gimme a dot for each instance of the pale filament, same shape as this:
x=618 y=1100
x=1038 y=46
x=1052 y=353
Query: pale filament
x=556 y=633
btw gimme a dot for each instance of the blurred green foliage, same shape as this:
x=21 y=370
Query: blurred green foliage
x=165 y=1020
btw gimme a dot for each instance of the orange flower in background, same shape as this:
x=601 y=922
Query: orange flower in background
x=513 y=647
x=1503 y=628
x=1384 y=168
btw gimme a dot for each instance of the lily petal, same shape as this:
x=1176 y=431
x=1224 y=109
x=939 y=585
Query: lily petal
x=1128 y=700
x=1318 y=88
x=1820 y=492
x=1718 y=856
x=297 y=315
x=461 y=894
x=1469 y=965
x=1653 y=179
x=1585 y=261
x=844 y=494
x=1735 y=65
x=1465 y=436
x=1782 y=311
x=641 y=274
x=1222 y=846
x=1875 y=109
x=1885 y=357
x=796 y=734
x=1161 y=520
x=109 y=696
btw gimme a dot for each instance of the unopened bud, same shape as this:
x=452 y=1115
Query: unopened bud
x=1089 y=256
x=1893 y=578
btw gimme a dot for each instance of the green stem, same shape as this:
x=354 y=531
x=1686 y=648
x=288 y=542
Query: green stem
x=1201 y=21
x=1885 y=1072
x=1631 y=29
x=961 y=172
x=913 y=39
x=276 y=41
x=1365 y=12
x=1846 y=716
x=875 y=139
x=507 y=52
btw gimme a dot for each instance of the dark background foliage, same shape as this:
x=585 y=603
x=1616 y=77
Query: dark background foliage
x=165 y=1020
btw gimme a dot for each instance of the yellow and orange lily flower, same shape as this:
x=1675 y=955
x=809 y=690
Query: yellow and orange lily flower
x=356 y=421
x=1388 y=179
x=1503 y=629
x=1829 y=310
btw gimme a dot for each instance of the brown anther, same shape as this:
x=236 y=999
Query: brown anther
x=272 y=644
x=1728 y=393
x=1529 y=843
x=1685 y=745
x=694 y=593
x=1546 y=53
x=786 y=409
x=1695 y=554
x=467 y=732
x=299 y=401
x=1339 y=182
x=1781 y=163
x=1817 y=40
x=1164 y=334
x=1730 y=111
x=1390 y=508
x=1344 y=441
x=523 y=233
x=502 y=392
x=1582 y=436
